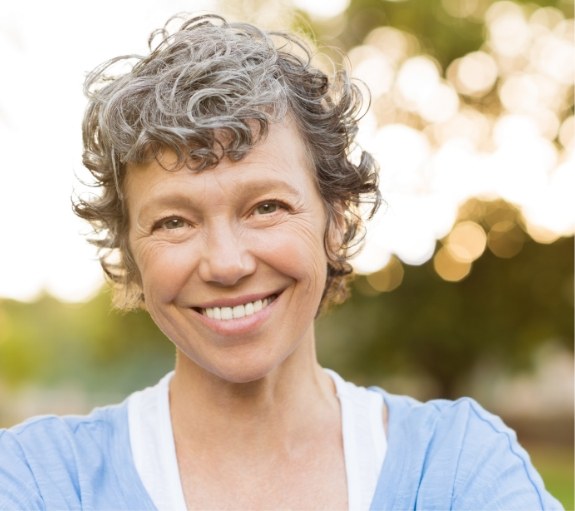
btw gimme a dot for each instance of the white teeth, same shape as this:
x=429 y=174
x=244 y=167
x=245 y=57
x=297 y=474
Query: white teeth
x=239 y=311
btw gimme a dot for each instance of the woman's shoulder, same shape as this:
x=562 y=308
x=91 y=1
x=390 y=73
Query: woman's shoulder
x=63 y=460
x=58 y=434
x=406 y=405
x=456 y=454
x=459 y=433
x=442 y=414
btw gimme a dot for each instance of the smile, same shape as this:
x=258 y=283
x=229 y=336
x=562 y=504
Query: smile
x=239 y=311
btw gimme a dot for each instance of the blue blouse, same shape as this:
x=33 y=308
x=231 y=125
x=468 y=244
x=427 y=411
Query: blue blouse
x=441 y=455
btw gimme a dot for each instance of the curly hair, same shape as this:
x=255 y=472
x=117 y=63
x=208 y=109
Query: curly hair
x=207 y=78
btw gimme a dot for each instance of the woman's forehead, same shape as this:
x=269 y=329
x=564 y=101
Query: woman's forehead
x=219 y=146
x=279 y=134
x=279 y=161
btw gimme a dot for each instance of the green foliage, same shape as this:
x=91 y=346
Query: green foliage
x=500 y=314
x=48 y=342
x=440 y=33
x=555 y=464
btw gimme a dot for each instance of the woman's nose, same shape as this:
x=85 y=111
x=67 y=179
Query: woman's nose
x=226 y=258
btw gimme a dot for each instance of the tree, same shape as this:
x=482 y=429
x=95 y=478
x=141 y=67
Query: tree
x=500 y=314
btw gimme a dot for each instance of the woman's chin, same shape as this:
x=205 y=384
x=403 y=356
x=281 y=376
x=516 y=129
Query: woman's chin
x=234 y=371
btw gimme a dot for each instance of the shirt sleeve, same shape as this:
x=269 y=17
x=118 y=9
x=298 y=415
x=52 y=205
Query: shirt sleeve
x=18 y=489
x=455 y=455
x=493 y=471
x=70 y=463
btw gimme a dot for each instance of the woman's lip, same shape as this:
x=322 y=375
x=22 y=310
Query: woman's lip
x=238 y=327
x=232 y=302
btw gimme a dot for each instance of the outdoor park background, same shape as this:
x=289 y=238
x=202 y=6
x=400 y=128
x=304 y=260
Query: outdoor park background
x=465 y=283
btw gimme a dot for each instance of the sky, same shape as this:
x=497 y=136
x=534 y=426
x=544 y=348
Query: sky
x=46 y=57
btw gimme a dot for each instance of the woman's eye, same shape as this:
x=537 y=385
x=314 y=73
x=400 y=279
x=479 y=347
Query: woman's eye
x=266 y=208
x=172 y=223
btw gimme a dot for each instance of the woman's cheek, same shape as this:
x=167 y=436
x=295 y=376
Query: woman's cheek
x=165 y=268
x=298 y=250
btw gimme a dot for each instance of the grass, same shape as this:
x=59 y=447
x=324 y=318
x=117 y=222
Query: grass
x=555 y=464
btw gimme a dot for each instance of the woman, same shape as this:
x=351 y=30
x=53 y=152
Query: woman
x=229 y=204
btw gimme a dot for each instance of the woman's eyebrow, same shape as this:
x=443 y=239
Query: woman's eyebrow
x=259 y=186
x=252 y=188
x=167 y=199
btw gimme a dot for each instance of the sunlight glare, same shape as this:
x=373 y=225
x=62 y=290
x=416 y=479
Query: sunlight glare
x=441 y=106
x=417 y=81
x=508 y=31
x=374 y=68
x=467 y=126
x=402 y=151
x=552 y=54
x=395 y=44
x=368 y=261
x=567 y=133
x=322 y=8
x=474 y=74
x=553 y=207
x=456 y=172
x=546 y=17
x=522 y=161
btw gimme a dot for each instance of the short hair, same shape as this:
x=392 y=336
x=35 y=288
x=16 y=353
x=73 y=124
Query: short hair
x=209 y=77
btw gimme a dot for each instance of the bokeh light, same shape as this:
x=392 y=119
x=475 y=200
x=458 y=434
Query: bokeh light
x=466 y=242
x=474 y=74
x=448 y=267
x=495 y=125
x=509 y=32
x=388 y=278
x=321 y=8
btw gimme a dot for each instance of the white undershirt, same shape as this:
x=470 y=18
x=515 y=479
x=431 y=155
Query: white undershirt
x=154 y=452
x=153 y=448
x=364 y=440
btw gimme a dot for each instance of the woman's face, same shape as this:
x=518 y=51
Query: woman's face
x=232 y=259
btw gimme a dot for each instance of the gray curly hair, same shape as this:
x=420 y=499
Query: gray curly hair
x=208 y=78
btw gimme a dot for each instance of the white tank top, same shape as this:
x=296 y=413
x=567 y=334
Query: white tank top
x=154 y=452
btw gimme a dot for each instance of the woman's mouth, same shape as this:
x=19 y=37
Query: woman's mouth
x=238 y=311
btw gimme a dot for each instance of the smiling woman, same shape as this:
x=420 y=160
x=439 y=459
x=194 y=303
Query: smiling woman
x=229 y=208
x=231 y=261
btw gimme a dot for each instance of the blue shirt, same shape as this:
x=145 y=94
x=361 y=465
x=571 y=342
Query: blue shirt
x=441 y=455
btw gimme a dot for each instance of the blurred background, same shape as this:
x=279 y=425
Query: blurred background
x=465 y=282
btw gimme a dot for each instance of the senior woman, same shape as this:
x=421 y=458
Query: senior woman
x=229 y=201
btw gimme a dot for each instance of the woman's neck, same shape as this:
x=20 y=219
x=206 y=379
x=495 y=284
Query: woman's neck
x=276 y=411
